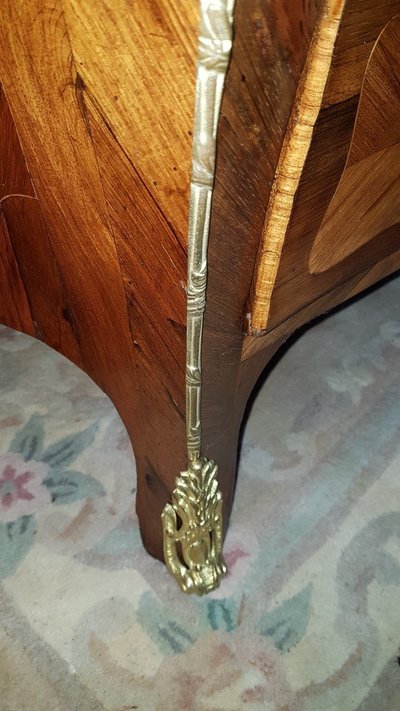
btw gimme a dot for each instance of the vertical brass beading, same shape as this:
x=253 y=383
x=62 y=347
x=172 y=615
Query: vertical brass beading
x=192 y=522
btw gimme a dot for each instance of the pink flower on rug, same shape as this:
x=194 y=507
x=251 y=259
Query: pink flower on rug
x=240 y=553
x=22 y=491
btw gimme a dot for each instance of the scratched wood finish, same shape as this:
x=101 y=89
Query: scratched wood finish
x=96 y=113
x=14 y=178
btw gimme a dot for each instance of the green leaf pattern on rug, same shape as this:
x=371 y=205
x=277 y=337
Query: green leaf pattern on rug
x=67 y=449
x=170 y=634
x=287 y=624
x=31 y=477
x=29 y=440
x=221 y=614
x=16 y=538
x=175 y=635
x=68 y=486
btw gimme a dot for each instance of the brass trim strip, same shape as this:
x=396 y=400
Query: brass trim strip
x=193 y=522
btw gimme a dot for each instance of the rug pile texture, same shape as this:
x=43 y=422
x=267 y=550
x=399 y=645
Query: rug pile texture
x=308 y=618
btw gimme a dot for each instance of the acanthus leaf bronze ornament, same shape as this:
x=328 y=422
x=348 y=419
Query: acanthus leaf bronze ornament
x=193 y=529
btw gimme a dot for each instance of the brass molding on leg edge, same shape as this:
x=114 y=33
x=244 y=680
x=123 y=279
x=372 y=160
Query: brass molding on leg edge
x=192 y=523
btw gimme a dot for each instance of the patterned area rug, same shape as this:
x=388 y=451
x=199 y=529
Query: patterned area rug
x=308 y=618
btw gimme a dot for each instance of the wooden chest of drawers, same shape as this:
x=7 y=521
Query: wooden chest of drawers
x=96 y=137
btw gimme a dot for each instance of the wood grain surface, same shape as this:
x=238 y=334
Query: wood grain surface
x=14 y=179
x=366 y=201
x=269 y=54
x=306 y=107
x=252 y=145
x=94 y=255
x=311 y=171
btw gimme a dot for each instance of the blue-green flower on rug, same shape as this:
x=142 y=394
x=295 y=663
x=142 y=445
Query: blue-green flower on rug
x=174 y=635
x=287 y=624
x=33 y=476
